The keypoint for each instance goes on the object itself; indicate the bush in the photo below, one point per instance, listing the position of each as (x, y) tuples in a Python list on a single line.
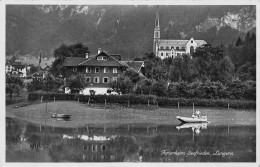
[(235, 90), (133, 99)]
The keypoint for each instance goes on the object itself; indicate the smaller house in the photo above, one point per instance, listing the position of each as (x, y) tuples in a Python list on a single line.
[(16, 69)]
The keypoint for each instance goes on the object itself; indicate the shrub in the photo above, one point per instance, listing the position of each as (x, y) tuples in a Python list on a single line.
[(143, 99)]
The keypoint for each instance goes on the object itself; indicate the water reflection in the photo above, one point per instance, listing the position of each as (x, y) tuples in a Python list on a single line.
[(195, 127), (27, 142)]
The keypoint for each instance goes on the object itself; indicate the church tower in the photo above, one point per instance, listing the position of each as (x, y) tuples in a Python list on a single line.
[(156, 37)]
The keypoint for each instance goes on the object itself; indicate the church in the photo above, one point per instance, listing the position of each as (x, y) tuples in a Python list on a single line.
[(169, 48)]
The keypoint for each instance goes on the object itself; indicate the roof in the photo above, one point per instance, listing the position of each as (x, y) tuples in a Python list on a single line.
[(17, 66), (73, 61), (174, 42), (179, 42), (201, 42), (135, 65), (111, 61)]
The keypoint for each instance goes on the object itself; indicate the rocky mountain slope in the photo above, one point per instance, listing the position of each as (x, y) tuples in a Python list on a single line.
[(127, 30)]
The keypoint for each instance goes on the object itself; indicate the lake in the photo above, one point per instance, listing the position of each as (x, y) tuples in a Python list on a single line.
[(145, 142)]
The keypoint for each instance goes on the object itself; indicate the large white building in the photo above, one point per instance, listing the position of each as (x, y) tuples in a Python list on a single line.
[(165, 48)]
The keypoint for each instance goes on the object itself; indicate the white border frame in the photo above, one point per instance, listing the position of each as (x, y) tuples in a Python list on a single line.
[(119, 2)]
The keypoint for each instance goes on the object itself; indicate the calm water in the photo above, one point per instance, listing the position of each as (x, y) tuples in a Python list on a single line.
[(27, 142)]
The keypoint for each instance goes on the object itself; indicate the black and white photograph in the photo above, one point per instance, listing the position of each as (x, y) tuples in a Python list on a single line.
[(135, 83)]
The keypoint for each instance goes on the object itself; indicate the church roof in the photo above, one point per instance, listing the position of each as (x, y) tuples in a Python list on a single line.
[(173, 42), (179, 42), (201, 42)]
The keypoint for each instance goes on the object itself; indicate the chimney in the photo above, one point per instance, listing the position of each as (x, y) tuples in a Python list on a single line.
[(87, 55), (99, 50)]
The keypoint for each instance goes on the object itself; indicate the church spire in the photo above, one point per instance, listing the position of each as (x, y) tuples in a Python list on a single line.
[(157, 25), (156, 37)]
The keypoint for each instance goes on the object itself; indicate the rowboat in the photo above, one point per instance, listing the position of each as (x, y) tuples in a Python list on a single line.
[(192, 119), (67, 116)]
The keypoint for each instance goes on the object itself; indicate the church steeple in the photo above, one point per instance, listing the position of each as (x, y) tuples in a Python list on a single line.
[(156, 37), (157, 25)]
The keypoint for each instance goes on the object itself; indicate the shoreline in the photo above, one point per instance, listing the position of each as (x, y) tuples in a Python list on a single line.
[(116, 114)]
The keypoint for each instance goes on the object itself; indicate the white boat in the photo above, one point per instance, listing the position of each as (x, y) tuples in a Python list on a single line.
[(192, 119)]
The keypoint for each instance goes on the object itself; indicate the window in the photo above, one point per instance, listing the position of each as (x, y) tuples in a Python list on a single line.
[(191, 41), (105, 80), (88, 70), (177, 48), (88, 79), (161, 47), (96, 80), (161, 54), (74, 69), (114, 70), (101, 58), (103, 148), (114, 78), (167, 54), (191, 49), (94, 148), (167, 47), (97, 70), (85, 147), (106, 70), (103, 157)]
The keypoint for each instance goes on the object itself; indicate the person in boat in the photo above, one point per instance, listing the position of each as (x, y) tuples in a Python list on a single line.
[(198, 114)]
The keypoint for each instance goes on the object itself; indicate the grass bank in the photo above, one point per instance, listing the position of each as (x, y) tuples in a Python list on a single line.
[(83, 114)]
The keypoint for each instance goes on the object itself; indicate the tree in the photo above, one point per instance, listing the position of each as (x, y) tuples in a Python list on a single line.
[(123, 85), (144, 87), (33, 69), (76, 50), (181, 69), (159, 88), (155, 68), (76, 83), (13, 83), (48, 83), (244, 57), (36, 84), (239, 42), (247, 72), (212, 64)]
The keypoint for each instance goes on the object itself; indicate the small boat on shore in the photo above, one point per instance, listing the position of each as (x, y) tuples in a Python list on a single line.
[(65, 116), (193, 119)]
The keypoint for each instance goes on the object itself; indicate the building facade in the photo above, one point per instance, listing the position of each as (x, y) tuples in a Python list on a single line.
[(19, 70), (165, 48), (98, 70)]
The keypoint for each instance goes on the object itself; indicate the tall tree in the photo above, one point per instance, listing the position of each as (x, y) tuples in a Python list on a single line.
[(77, 50), (212, 64), (239, 42)]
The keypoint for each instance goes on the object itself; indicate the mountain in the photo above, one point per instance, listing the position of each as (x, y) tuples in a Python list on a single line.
[(127, 30)]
